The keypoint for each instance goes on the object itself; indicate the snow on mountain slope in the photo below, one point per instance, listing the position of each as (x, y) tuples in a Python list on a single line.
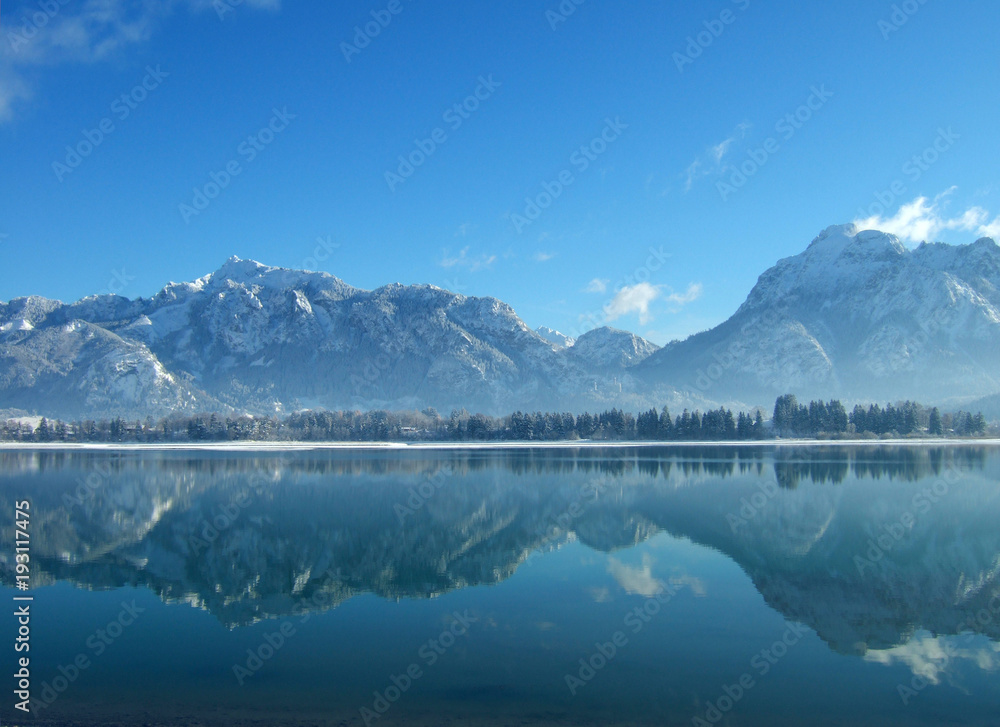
[(858, 316), (610, 348), (554, 337), (79, 367), (249, 337)]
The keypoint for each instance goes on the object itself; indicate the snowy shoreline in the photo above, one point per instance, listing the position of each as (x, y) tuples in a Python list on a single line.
[(444, 446)]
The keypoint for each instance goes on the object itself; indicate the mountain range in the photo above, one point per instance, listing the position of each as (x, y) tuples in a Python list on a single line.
[(856, 316)]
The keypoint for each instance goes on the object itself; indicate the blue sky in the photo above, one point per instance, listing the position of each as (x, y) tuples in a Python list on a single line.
[(586, 175)]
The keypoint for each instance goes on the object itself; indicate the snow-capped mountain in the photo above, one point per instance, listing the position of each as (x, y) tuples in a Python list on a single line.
[(610, 349), (254, 338), (560, 340), (858, 316)]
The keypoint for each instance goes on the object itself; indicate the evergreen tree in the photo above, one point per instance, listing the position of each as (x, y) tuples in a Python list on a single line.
[(935, 426), (744, 426), (666, 425), (837, 417), (785, 409), (729, 425)]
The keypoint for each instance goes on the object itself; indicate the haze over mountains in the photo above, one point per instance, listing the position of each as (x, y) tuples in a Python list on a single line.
[(856, 316)]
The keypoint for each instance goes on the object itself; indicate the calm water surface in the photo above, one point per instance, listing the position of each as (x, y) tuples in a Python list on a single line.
[(659, 586)]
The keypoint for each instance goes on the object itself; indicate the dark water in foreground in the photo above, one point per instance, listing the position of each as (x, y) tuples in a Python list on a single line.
[(812, 586)]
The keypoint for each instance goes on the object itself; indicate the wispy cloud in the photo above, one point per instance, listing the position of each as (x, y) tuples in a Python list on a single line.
[(465, 261), (711, 162), (690, 295), (543, 257), (597, 285), (600, 595), (720, 149), (87, 32), (923, 219)]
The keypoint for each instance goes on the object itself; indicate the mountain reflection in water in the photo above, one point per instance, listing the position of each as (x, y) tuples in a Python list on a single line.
[(883, 551)]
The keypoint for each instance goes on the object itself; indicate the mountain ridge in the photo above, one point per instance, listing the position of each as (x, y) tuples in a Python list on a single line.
[(857, 316), (250, 337)]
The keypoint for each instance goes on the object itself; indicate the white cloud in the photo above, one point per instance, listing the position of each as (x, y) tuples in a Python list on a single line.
[(88, 32), (635, 580), (991, 230), (632, 299), (597, 285), (463, 260), (543, 257), (936, 657), (638, 298), (691, 174), (924, 219), (710, 163), (720, 149), (13, 90), (690, 295)]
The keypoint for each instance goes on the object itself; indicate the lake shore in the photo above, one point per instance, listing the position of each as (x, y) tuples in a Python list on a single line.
[(443, 446)]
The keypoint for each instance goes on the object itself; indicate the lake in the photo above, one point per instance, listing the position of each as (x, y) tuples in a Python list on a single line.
[(825, 585)]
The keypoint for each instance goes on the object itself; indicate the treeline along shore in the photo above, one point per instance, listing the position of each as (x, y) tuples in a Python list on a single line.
[(790, 419)]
